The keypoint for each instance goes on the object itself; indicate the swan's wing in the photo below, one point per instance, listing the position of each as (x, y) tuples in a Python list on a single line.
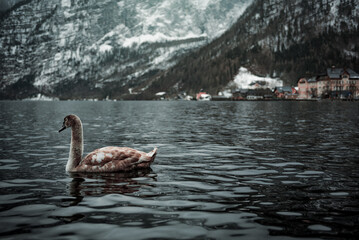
[(110, 159)]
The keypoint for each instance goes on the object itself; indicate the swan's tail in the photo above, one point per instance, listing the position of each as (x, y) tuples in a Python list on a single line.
[(152, 154), (146, 159)]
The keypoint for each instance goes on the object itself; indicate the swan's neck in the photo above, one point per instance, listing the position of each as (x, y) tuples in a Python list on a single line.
[(76, 147)]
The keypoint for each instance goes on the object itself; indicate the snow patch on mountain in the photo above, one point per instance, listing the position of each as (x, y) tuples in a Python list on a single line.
[(246, 80), (105, 48), (66, 3), (158, 37)]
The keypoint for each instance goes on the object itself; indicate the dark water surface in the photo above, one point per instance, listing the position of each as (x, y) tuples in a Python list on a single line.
[(224, 170)]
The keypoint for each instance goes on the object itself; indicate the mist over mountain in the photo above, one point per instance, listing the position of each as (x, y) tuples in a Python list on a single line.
[(273, 38), (94, 49)]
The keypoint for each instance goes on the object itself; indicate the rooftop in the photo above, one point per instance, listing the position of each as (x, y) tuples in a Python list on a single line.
[(338, 72), (284, 89), (353, 74)]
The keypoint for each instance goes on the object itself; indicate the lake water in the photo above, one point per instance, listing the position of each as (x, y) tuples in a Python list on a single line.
[(224, 170)]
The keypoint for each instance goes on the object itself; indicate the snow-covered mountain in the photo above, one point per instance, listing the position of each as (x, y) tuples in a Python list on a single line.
[(74, 48), (272, 38)]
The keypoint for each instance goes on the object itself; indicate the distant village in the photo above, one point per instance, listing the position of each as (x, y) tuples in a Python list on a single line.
[(334, 84)]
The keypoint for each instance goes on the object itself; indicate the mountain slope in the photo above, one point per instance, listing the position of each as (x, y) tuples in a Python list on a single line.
[(277, 38), (79, 49)]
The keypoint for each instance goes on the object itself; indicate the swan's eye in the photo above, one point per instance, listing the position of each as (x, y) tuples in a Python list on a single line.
[(65, 121)]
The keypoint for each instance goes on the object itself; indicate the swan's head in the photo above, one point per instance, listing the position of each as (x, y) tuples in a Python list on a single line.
[(70, 121)]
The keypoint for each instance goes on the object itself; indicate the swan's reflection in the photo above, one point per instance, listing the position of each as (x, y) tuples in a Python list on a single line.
[(96, 184)]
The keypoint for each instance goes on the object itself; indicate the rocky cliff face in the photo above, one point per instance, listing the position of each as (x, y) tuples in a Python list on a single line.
[(89, 48), (275, 38)]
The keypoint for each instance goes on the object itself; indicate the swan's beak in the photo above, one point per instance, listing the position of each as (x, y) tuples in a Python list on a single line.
[(62, 129)]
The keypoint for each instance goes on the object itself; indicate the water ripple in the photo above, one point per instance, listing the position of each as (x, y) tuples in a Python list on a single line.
[(225, 170)]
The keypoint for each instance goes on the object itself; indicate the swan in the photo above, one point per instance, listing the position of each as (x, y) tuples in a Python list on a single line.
[(106, 159)]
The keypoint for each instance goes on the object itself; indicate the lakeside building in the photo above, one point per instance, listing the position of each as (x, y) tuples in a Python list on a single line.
[(252, 94), (286, 92), (335, 83), (203, 96)]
